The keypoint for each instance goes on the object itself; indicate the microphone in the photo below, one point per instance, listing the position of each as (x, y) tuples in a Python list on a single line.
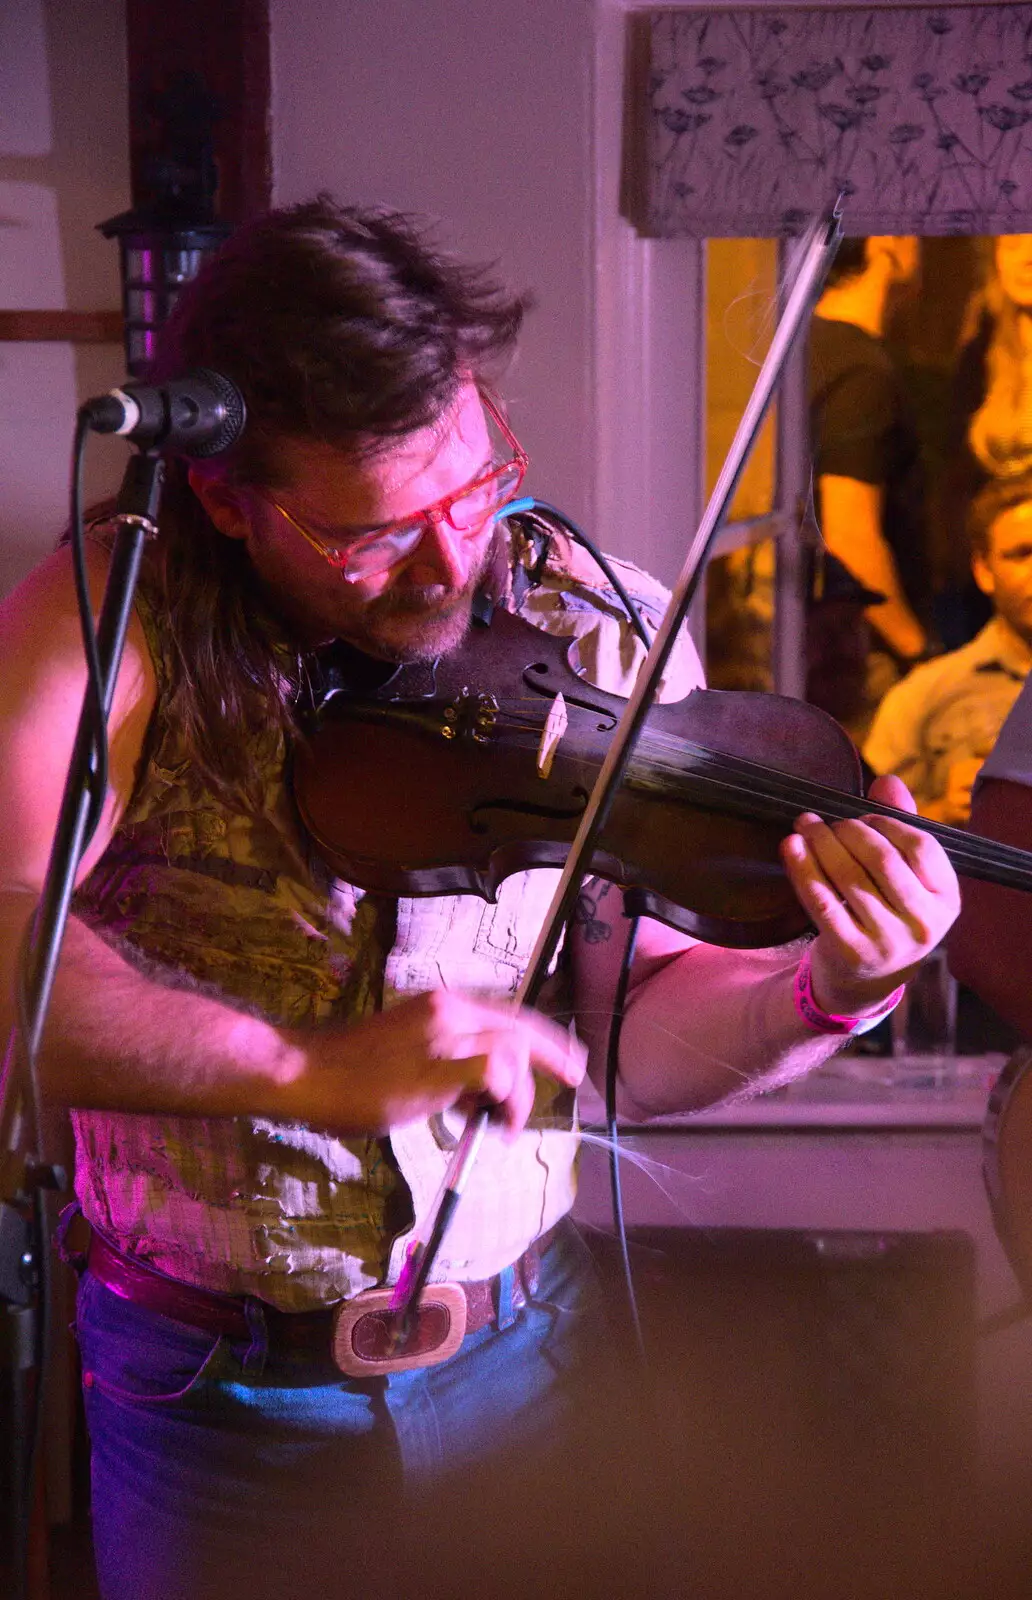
[(199, 415)]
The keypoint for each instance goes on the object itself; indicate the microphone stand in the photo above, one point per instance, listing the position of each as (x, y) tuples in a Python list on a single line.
[(813, 259), (25, 1174)]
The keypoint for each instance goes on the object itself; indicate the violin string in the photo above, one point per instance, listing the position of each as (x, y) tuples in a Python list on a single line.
[(781, 795), (752, 788), (966, 857)]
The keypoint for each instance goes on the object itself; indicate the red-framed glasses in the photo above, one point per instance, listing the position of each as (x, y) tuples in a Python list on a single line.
[(466, 512)]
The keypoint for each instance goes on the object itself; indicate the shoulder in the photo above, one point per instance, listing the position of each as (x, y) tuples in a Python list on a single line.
[(853, 401), (904, 707), (924, 691), (574, 599), (41, 632), (926, 684), (43, 667), (843, 349), (42, 681), (987, 656)]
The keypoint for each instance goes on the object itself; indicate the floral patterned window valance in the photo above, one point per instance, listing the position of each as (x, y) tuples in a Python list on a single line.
[(755, 119)]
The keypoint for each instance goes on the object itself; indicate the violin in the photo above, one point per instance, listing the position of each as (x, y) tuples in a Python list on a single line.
[(453, 774)]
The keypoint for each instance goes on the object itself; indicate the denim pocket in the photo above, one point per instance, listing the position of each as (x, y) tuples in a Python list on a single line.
[(139, 1356)]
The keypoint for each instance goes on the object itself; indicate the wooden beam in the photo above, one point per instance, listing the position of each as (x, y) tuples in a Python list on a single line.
[(76, 327)]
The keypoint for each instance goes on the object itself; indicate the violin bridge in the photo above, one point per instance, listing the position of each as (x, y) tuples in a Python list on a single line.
[(555, 726)]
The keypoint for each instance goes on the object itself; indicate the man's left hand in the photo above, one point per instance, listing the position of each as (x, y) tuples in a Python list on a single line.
[(881, 894)]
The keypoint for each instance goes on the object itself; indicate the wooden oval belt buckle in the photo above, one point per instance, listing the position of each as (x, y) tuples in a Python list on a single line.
[(365, 1331)]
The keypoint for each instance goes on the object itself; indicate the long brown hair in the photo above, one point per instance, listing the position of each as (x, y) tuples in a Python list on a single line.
[(1000, 432), (341, 324)]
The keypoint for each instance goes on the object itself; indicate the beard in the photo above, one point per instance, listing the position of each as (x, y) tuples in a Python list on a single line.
[(416, 625)]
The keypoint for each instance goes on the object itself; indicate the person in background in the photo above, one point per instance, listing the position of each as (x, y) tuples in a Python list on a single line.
[(869, 479), (936, 727), (996, 367), (989, 430)]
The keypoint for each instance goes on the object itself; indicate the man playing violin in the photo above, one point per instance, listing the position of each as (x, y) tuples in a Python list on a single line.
[(265, 1066)]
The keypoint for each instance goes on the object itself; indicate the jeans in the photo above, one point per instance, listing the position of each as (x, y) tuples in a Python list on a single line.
[(221, 1470)]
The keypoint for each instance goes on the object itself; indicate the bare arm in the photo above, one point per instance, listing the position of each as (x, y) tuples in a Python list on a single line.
[(703, 1022), (119, 1039), (112, 1037), (851, 515)]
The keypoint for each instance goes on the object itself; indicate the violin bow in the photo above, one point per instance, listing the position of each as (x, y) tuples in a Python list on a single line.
[(805, 278)]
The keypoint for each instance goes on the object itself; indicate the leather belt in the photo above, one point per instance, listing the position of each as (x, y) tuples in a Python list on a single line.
[(358, 1334)]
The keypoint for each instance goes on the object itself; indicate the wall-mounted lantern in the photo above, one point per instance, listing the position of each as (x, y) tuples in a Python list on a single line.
[(164, 239)]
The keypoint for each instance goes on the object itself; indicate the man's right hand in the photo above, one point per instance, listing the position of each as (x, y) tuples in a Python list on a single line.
[(425, 1054)]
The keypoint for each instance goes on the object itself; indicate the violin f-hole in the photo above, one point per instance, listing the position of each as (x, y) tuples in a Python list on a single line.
[(542, 670), (477, 815)]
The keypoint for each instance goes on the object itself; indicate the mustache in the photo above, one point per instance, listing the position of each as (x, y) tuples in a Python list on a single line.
[(429, 597), (433, 598)]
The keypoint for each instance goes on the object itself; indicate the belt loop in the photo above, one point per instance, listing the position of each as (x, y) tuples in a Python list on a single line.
[(506, 1307), (65, 1222), (258, 1350)]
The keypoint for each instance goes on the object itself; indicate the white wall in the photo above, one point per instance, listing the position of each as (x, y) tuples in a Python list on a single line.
[(480, 115), (63, 168), (504, 122)]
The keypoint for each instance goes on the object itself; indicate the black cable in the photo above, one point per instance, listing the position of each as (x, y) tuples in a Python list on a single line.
[(43, 1341), (612, 1131), (623, 980), (94, 680), (602, 562)]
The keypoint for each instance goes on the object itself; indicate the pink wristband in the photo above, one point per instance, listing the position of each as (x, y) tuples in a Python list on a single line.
[(822, 1021)]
